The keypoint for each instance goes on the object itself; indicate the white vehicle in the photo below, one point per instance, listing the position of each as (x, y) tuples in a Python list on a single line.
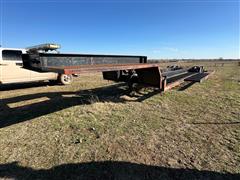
[(11, 70)]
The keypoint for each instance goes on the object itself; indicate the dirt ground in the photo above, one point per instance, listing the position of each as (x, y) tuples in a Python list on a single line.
[(96, 129)]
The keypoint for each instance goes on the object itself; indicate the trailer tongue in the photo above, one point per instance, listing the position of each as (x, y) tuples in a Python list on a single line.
[(131, 69)]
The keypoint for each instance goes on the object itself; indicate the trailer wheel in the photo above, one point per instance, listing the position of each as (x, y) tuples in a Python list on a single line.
[(65, 79), (132, 78)]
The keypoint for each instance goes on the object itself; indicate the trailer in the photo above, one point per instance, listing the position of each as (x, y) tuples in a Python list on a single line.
[(119, 68)]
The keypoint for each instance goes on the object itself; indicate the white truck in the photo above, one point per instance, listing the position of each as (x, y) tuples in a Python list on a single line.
[(11, 70)]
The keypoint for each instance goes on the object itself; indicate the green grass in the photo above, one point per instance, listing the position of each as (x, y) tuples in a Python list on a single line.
[(198, 128)]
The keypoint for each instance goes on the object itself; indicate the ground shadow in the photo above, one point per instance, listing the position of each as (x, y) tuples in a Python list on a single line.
[(5, 87), (31, 107), (109, 170)]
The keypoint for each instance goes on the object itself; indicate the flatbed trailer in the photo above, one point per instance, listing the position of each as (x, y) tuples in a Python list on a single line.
[(119, 68)]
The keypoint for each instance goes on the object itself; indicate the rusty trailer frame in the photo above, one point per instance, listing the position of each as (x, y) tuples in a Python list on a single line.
[(148, 74), (119, 68)]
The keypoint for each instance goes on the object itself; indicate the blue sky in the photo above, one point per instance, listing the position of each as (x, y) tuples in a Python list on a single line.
[(158, 29)]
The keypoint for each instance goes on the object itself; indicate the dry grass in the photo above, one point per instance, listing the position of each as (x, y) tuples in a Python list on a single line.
[(50, 131)]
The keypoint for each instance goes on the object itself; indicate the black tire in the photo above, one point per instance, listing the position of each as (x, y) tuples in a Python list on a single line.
[(65, 79)]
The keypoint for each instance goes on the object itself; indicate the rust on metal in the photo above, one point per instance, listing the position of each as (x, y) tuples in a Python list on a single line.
[(97, 68)]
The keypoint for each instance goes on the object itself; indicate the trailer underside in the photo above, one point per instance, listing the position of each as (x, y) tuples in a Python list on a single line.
[(147, 74)]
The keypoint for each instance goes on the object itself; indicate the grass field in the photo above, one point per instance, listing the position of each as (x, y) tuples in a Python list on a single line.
[(95, 129)]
